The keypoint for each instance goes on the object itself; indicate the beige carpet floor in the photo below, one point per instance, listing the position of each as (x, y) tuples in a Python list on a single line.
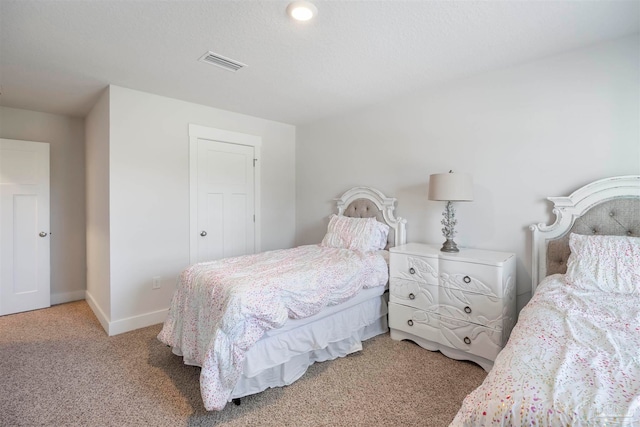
[(59, 368)]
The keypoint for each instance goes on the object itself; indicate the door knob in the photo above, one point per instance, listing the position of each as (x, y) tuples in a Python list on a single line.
[(203, 233), (42, 234)]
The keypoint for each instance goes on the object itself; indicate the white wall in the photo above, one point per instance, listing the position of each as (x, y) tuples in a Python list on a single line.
[(97, 210), (65, 136), (540, 129), (149, 195)]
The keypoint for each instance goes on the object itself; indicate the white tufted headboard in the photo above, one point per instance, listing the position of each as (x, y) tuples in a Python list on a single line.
[(367, 202), (609, 206)]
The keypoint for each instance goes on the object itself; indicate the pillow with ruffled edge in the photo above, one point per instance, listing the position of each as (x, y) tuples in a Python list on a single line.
[(359, 234), (383, 232), (604, 263)]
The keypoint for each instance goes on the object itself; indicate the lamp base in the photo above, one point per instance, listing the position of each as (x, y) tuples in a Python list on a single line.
[(449, 246)]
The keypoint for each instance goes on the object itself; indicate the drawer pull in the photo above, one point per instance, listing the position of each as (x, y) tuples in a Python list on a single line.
[(412, 270), (412, 296), (410, 322), (467, 309), (467, 340), (466, 279)]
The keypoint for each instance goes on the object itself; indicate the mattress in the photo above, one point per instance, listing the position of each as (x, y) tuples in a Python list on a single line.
[(363, 295)]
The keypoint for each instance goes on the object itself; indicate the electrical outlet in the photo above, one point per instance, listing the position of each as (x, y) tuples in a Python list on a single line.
[(155, 282)]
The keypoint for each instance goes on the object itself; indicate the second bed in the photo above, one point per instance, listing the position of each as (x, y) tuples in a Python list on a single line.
[(260, 321)]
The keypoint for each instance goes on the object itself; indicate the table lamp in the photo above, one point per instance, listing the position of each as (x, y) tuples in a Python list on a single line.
[(450, 187)]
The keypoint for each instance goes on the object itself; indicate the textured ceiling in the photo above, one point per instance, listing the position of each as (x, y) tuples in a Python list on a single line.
[(56, 56)]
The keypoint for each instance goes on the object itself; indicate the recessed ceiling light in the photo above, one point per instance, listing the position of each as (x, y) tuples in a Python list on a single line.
[(302, 10)]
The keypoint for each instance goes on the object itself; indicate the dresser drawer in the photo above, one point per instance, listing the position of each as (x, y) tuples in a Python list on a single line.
[(413, 321), (471, 338), (414, 268), (470, 277), (475, 308), (415, 294)]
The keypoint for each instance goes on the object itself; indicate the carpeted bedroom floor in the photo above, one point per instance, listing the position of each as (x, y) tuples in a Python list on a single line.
[(59, 368)]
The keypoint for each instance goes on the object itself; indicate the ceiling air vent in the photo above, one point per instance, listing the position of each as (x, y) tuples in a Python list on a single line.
[(222, 62)]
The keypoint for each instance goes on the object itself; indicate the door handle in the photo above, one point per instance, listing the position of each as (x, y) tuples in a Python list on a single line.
[(42, 234), (203, 233)]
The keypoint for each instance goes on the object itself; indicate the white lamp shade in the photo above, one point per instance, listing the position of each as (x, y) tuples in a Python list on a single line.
[(451, 187)]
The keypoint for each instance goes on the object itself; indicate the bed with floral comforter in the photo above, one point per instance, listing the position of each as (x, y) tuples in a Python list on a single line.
[(573, 358), (221, 308)]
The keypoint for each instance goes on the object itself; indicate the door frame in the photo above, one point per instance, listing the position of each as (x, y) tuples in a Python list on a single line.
[(197, 132)]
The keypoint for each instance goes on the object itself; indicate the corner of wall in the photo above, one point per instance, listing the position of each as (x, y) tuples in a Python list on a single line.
[(100, 315), (97, 130)]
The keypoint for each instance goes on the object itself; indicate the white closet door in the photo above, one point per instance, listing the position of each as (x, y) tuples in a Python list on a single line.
[(224, 193), (24, 226), (225, 200)]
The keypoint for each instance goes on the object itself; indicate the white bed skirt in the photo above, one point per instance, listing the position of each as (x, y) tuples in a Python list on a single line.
[(281, 359)]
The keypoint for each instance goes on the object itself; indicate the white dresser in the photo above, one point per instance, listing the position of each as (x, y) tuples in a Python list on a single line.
[(463, 304)]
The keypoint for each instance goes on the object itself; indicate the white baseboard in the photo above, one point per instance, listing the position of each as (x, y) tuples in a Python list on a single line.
[(128, 324), (137, 322), (62, 297)]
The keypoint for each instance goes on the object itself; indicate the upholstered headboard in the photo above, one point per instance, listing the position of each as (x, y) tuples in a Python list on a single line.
[(609, 206), (367, 202), (618, 217)]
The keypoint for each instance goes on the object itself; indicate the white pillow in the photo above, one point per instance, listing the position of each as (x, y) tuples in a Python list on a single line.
[(604, 263), (358, 234)]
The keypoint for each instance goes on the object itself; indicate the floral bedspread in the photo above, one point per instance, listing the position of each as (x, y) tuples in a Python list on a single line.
[(572, 359), (221, 308)]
